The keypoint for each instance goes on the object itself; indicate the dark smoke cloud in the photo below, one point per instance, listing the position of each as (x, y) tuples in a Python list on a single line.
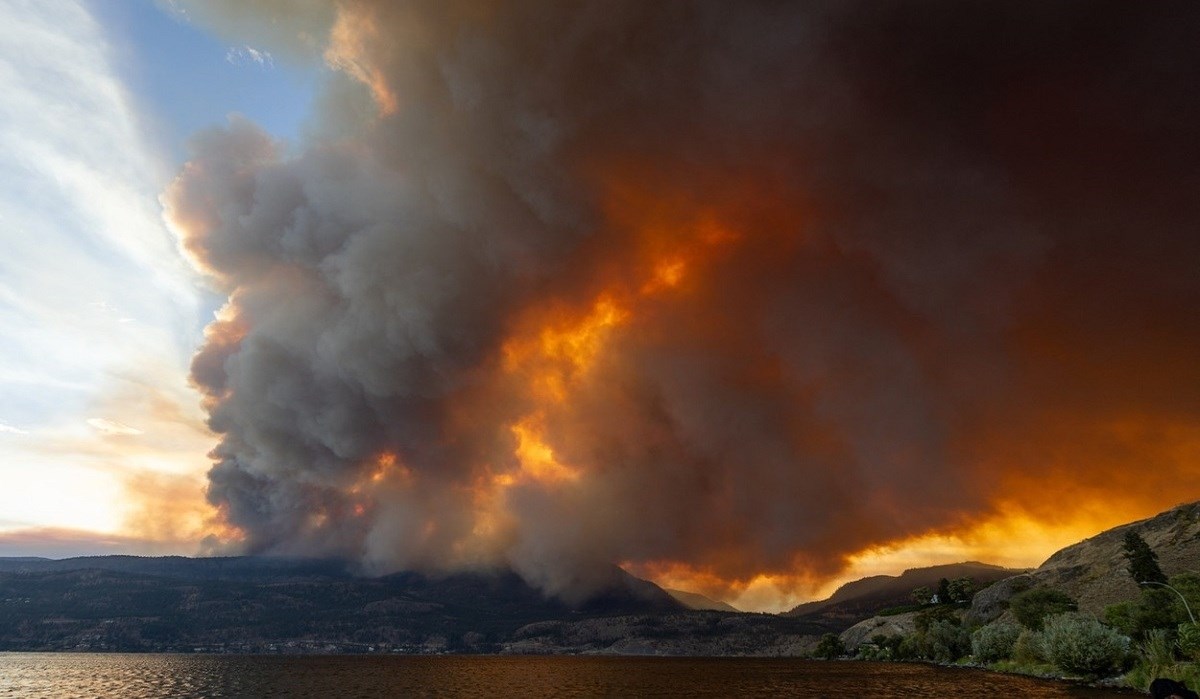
[(933, 257)]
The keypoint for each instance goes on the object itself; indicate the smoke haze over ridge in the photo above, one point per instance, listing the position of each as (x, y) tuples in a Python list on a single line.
[(739, 288)]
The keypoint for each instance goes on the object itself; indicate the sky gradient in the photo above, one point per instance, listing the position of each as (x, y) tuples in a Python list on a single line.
[(749, 299)]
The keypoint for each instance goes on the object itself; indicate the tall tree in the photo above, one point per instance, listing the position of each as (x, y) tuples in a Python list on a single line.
[(1143, 562), (943, 591)]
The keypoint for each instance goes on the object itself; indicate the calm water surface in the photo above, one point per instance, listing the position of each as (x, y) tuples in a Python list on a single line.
[(69, 675)]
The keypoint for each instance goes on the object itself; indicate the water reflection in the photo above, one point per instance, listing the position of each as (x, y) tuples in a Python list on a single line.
[(367, 677)]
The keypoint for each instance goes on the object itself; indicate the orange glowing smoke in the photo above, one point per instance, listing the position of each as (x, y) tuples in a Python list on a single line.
[(745, 322)]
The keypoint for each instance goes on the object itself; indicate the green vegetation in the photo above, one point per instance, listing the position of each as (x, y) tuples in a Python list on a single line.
[(830, 647), (1156, 608), (1031, 607), (1168, 641), (1143, 562), (1189, 640), (994, 642), (945, 641), (1153, 635), (961, 590), (1081, 645)]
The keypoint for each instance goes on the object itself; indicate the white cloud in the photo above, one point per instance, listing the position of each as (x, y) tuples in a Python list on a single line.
[(93, 291), (241, 55), (112, 426)]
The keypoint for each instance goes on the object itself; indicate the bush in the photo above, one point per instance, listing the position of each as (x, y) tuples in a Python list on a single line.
[(926, 619), (1033, 606), (1082, 645), (994, 642), (1157, 608), (1156, 651), (1189, 640), (1028, 648), (1143, 674), (830, 647), (908, 649), (946, 641)]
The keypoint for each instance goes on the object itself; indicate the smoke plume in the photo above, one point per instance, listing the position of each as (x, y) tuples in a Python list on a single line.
[(740, 287)]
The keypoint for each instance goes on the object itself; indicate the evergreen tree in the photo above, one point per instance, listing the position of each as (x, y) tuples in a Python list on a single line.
[(943, 591), (1143, 562)]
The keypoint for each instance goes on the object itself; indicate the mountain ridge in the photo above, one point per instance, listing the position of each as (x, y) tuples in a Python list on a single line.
[(1093, 570), (863, 598)]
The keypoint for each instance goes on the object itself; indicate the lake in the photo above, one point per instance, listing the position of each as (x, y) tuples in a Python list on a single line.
[(134, 676)]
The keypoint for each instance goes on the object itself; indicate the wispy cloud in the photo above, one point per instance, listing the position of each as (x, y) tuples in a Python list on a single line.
[(112, 426), (95, 299), (244, 55)]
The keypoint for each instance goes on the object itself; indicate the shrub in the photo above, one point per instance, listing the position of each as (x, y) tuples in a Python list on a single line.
[(1156, 651), (994, 642), (1143, 674), (1189, 640), (908, 648), (1028, 648), (830, 647), (926, 619), (1033, 606), (946, 641), (1082, 645), (1156, 608)]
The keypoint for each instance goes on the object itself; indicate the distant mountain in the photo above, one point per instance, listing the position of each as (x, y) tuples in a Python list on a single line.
[(695, 600), (253, 604), (248, 568), (1094, 571), (861, 599)]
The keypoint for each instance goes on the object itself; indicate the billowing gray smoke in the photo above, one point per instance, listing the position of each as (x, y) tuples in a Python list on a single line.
[(743, 286)]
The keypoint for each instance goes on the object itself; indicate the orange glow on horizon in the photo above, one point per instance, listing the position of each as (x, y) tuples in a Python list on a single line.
[(1012, 538)]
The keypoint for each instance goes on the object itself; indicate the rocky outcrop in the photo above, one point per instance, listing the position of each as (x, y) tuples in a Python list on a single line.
[(864, 631), (990, 603), (1094, 571)]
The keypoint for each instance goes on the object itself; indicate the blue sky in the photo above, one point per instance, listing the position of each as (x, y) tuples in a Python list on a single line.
[(186, 79), (99, 312)]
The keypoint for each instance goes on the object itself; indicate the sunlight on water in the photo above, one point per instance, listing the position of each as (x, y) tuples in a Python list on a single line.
[(71, 675)]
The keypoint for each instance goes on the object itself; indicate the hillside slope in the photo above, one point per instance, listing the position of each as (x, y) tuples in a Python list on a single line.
[(861, 599), (1094, 571), (264, 604), (699, 602)]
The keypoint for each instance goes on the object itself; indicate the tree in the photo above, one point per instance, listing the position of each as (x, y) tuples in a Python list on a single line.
[(924, 620), (961, 589), (830, 647), (1143, 562), (946, 641), (943, 591), (1032, 606), (922, 595)]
